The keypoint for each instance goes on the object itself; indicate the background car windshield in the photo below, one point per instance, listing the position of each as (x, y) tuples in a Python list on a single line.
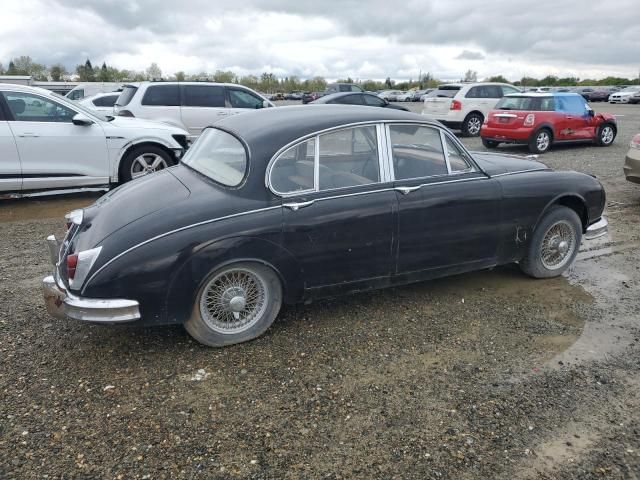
[(445, 91), (87, 111), (218, 155)]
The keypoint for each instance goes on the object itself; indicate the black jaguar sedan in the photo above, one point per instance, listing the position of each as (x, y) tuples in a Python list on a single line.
[(290, 204)]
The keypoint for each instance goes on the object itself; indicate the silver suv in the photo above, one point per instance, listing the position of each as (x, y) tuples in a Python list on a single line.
[(188, 105)]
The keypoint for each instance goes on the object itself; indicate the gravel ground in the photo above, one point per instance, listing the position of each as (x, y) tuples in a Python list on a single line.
[(485, 375)]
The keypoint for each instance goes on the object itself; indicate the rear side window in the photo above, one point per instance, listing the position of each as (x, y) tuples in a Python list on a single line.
[(349, 100), (373, 100), (417, 152), (242, 99), (458, 159), (484, 91), (106, 101), (162, 96), (536, 104), (293, 171), (449, 91), (203, 96), (127, 94), (218, 155)]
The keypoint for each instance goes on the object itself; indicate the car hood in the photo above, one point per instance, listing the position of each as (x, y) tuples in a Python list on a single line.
[(494, 164), (141, 123)]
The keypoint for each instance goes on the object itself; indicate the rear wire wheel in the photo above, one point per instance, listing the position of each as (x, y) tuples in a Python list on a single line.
[(236, 303)]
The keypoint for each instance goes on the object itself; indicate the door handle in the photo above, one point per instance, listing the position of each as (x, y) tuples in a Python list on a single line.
[(569, 117), (28, 135), (407, 190), (298, 205)]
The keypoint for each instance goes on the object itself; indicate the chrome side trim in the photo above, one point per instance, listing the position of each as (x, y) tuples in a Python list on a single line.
[(521, 171), (505, 115), (445, 151), (171, 232)]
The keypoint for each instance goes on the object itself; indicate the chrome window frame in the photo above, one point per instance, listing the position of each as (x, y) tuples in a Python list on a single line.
[(316, 160), (385, 157), (472, 167)]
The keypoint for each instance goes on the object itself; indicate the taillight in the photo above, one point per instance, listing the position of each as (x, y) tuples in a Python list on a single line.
[(455, 105), (72, 264), (125, 113), (529, 120), (635, 142), (75, 216)]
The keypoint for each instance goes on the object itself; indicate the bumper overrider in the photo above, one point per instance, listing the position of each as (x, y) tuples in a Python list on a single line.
[(61, 303), (597, 229)]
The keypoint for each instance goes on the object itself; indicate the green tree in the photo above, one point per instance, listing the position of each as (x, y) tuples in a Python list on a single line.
[(12, 68), (103, 74), (179, 76), (24, 65), (57, 72), (1, 69), (153, 72), (388, 83), (470, 76), (223, 76), (497, 78)]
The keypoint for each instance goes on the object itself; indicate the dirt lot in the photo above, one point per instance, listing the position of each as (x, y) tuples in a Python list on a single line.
[(490, 375)]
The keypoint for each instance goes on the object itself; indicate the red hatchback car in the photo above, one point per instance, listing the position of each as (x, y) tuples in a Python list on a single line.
[(541, 119)]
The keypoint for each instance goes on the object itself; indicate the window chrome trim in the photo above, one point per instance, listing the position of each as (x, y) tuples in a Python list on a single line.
[(267, 180), (383, 162), (546, 169), (445, 150), (171, 232)]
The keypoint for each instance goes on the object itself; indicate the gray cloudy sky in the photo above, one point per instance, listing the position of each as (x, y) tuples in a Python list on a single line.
[(357, 38)]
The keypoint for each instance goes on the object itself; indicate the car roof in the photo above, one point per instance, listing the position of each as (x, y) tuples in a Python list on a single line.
[(544, 94), (11, 87), (332, 96)]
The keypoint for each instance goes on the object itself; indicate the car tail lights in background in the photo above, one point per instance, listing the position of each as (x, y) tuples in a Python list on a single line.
[(455, 105), (529, 120), (635, 142)]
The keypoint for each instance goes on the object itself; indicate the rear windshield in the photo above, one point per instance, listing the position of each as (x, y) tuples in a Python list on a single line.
[(537, 104), (445, 91), (127, 94), (218, 155)]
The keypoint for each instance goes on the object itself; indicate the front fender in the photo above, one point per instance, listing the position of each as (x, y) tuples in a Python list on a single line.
[(119, 152)]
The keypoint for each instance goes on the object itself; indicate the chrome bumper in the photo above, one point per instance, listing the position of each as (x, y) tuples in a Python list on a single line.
[(598, 229), (63, 304)]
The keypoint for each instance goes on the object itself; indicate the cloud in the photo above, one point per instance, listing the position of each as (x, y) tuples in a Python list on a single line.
[(340, 39), (470, 55)]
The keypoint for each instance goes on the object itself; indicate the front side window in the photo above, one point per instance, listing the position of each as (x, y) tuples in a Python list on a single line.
[(76, 94), (243, 99), (162, 96), (570, 104), (203, 96), (349, 100), (458, 159), (218, 155), (417, 152), (26, 107)]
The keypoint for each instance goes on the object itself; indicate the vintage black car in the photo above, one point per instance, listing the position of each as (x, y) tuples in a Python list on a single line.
[(290, 204)]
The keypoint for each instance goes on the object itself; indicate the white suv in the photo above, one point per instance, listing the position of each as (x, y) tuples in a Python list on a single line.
[(188, 105), (48, 142), (464, 106)]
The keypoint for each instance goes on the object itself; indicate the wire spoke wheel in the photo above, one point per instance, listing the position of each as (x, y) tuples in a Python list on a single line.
[(558, 245), (234, 300), (147, 163)]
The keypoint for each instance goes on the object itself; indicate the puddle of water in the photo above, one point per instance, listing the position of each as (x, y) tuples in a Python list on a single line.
[(43, 208)]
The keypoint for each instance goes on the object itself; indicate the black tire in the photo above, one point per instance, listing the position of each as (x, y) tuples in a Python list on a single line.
[(490, 143), (130, 165), (546, 256), (472, 124), (212, 318), (606, 134), (537, 142)]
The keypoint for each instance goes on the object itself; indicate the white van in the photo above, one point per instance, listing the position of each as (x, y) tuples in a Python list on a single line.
[(90, 89), (191, 106)]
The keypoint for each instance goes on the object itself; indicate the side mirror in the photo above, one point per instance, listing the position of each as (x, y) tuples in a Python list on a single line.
[(590, 113), (81, 120)]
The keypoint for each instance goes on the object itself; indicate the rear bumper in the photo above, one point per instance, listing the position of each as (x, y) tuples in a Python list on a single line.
[(598, 229), (632, 165), (61, 303), (514, 135)]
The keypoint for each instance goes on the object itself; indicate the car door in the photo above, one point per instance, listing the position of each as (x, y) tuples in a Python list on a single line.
[(10, 168), (202, 105), (54, 152), (448, 210), (338, 214), (241, 100), (161, 102), (573, 122)]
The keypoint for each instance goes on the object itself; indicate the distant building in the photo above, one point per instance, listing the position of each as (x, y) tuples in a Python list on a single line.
[(59, 87)]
